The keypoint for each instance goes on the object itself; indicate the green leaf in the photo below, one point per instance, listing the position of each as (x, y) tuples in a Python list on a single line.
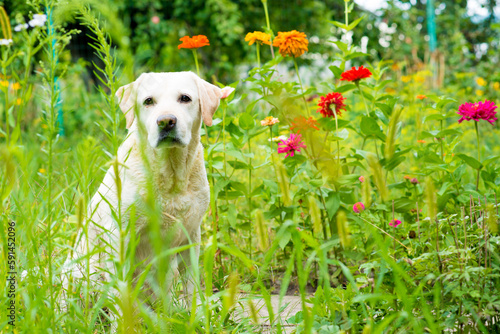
[(354, 23), (448, 132), (246, 121), (338, 24), (356, 55), (285, 239), (434, 117), (345, 88), (403, 205), (369, 127), (341, 45), (470, 161), (332, 204), (347, 179), (394, 162), (336, 71), (488, 161)]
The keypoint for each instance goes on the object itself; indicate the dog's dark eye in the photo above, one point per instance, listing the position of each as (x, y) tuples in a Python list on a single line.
[(149, 101), (185, 98)]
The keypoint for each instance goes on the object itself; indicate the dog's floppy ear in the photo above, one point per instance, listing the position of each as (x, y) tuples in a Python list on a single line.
[(210, 96), (126, 99)]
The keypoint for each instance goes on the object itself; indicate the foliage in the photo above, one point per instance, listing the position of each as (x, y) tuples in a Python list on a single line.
[(277, 225)]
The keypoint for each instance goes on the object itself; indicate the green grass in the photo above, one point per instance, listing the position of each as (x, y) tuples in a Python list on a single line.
[(275, 225)]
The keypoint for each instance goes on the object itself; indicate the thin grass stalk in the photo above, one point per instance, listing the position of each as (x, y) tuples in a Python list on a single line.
[(478, 153), (301, 86), (249, 196), (465, 229), (363, 97), (418, 224), (268, 25)]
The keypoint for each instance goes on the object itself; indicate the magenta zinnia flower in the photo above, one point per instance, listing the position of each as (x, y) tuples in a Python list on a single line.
[(291, 145), (358, 207), (477, 111), (395, 223)]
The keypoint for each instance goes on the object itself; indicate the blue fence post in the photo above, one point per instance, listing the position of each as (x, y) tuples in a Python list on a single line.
[(431, 25)]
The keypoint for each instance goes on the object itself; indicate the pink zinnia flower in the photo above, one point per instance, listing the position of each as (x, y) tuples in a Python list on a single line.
[(361, 179), (358, 207), (291, 145), (395, 223), (414, 181), (477, 111), (155, 19)]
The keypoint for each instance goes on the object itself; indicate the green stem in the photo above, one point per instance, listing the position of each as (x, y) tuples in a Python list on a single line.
[(478, 153), (250, 194), (264, 4), (441, 140), (258, 54), (301, 86), (364, 101), (338, 145), (346, 12), (195, 55)]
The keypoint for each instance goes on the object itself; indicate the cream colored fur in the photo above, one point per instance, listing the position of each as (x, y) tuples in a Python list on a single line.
[(177, 171)]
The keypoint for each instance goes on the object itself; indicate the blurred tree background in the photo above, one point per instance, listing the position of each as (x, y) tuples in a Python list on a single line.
[(148, 32)]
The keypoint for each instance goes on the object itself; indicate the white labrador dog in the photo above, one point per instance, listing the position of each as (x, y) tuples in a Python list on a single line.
[(166, 109)]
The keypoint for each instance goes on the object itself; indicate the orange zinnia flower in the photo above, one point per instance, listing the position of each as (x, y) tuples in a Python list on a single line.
[(194, 42), (421, 97), (258, 36), (302, 123), (356, 74), (291, 43)]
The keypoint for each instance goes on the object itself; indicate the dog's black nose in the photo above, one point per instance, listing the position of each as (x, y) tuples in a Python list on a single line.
[(166, 122)]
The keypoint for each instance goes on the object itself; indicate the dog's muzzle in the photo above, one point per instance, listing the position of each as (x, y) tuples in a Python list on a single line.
[(166, 127)]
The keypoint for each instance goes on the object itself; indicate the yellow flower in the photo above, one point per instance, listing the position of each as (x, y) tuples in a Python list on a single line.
[(41, 170), (4, 83), (44, 126), (16, 85), (479, 92), (258, 36), (291, 43), (496, 85), (419, 79), (269, 121), (18, 102), (406, 78), (480, 82)]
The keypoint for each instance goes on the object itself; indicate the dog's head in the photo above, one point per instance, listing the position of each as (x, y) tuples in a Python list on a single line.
[(170, 105)]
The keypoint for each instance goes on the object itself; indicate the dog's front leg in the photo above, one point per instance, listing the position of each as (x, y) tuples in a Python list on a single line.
[(188, 268)]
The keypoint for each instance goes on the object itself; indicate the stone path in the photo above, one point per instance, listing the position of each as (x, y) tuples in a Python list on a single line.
[(290, 305)]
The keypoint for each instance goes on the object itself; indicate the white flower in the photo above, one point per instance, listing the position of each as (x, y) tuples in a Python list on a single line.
[(21, 26), (38, 20), (5, 41), (279, 139)]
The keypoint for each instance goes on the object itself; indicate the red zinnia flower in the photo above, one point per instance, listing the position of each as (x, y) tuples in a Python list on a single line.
[(477, 111), (326, 101), (291, 145), (302, 123), (356, 74), (194, 42)]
